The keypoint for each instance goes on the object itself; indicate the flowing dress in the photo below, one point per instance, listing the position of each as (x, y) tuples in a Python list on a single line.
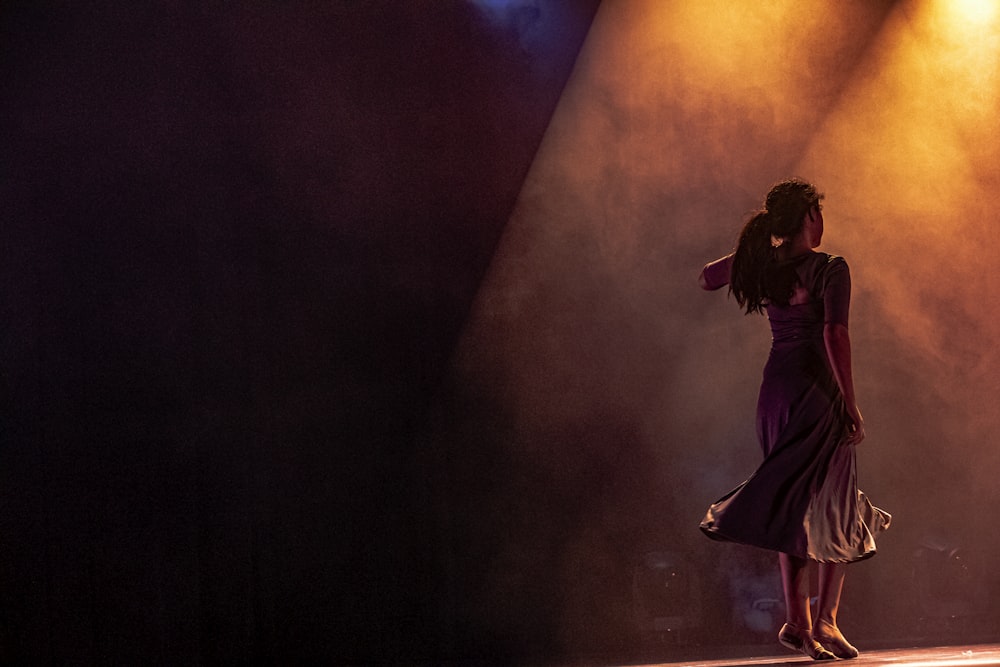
[(804, 499)]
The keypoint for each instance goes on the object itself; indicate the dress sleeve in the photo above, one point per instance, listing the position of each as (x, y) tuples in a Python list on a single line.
[(836, 291), (716, 274)]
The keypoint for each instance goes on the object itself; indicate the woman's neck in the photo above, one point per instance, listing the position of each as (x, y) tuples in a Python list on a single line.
[(799, 246)]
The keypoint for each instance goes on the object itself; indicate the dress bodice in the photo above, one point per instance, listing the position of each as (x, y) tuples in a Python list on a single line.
[(798, 322), (827, 282)]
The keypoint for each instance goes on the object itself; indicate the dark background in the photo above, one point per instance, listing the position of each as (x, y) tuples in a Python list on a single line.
[(239, 242)]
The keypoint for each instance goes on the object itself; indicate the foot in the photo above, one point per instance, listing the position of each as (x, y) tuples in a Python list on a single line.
[(801, 640), (830, 638)]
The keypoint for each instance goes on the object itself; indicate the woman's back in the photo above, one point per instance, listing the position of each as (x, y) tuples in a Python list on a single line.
[(822, 285)]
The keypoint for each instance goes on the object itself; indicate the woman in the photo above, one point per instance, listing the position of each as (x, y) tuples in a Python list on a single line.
[(803, 500)]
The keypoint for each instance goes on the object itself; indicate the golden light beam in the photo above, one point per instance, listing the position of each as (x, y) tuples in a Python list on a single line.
[(908, 158), (911, 150)]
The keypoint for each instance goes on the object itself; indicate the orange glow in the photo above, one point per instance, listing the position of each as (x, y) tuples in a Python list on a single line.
[(910, 152), (961, 36), (677, 118), (974, 11)]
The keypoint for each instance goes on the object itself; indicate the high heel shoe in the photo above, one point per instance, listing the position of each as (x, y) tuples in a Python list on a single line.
[(793, 637), (830, 638)]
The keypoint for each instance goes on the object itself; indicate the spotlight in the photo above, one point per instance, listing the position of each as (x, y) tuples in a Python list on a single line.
[(975, 11)]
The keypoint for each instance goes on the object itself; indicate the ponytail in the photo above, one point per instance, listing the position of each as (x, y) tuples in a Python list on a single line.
[(753, 256)]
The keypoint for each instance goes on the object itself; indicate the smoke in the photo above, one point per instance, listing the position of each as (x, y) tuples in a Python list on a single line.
[(677, 119), (910, 150)]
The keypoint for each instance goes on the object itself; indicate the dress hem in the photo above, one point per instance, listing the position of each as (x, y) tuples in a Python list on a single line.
[(718, 536)]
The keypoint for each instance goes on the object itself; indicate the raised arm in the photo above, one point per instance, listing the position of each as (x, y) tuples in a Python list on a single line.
[(716, 274)]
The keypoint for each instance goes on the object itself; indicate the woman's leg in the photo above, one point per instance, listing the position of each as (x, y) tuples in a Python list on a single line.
[(796, 634), (826, 632), (795, 583), (831, 584)]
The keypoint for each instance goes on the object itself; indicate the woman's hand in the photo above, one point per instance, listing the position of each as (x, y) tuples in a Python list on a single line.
[(856, 430)]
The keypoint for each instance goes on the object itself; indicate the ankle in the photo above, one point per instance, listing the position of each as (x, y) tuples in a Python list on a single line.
[(832, 625), (799, 628)]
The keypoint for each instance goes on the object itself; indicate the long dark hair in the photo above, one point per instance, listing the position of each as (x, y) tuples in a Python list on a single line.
[(756, 277)]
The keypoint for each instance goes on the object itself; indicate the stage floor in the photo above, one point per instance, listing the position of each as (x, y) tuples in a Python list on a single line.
[(942, 656)]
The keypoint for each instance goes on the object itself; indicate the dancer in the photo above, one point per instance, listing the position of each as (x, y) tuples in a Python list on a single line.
[(803, 500)]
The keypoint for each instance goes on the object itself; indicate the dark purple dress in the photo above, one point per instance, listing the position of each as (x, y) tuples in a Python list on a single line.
[(804, 499)]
